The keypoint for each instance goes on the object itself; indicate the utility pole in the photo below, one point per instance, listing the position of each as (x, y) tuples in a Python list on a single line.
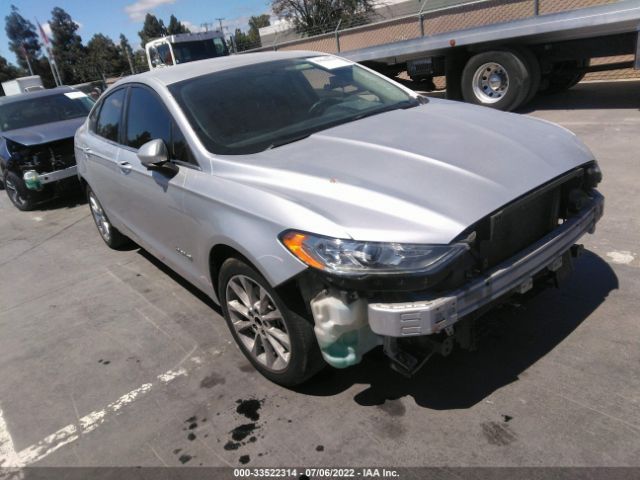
[(133, 70), (220, 21), (206, 26), (52, 61), (26, 57)]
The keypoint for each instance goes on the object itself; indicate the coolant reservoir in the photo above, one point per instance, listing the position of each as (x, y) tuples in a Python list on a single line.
[(32, 180), (342, 329)]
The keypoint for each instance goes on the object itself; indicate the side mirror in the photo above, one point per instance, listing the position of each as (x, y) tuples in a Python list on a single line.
[(155, 156)]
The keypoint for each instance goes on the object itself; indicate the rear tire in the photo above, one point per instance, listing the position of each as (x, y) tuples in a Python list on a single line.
[(280, 344), (111, 236), (533, 66), (17, 191), (498, 79)]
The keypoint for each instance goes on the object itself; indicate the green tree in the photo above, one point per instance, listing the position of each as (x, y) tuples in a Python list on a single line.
[(8, 71), (140, 61), (152, 28), (256, 22), (23, 40), (103, 57), (22, 36), (68, 49), (176, 27), (241, 41), (321, 16)]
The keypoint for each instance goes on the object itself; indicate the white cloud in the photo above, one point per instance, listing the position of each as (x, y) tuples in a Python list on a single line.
[(47, 29), (139, 9), (192, 26)]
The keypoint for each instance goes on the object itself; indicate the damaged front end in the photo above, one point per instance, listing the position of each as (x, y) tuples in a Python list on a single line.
[(362, 295), (46, 169)]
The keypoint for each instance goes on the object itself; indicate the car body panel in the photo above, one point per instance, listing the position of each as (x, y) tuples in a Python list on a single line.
[(383, 179)]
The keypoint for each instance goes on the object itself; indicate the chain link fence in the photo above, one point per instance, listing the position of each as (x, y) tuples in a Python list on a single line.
[(433, 21)]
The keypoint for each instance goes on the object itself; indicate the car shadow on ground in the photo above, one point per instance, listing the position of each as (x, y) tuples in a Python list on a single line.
[(68, 200), (517, 339), (195, 291), (590, 95), (584, 96)]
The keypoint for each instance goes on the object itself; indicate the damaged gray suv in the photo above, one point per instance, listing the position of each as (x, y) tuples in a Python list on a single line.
[(329, 210)]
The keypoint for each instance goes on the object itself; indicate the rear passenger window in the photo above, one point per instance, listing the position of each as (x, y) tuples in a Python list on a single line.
[(108, 123), (147, 119)]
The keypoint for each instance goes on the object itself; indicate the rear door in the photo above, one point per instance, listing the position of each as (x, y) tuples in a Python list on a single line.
[(100, 147)]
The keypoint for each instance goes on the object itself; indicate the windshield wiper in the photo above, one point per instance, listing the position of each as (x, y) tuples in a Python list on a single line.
[(396, 106), (287, 140)]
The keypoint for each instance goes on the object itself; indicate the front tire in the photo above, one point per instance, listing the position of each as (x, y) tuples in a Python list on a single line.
[(111, 236), (17, 191), (280, 344)]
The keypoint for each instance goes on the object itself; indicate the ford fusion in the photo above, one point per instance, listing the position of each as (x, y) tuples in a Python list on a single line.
[(36, 143), (329, 210)]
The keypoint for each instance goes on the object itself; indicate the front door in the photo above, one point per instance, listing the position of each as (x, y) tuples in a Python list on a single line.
[(154, 198)]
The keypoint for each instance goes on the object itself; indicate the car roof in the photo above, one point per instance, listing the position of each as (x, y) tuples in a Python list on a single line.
[(35, 94), (184, 71)]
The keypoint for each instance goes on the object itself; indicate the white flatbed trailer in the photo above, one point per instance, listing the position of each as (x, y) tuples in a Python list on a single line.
[(503, 65)]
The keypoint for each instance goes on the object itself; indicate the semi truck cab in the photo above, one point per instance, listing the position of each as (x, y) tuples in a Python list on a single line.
[(185, 47)]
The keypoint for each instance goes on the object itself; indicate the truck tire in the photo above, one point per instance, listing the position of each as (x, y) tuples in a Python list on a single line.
[(533, 66), (498, 79), (17, 191), (279, 343), (563, 76)]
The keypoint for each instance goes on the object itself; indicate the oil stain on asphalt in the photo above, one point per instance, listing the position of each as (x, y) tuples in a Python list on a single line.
[(212, 380), (498, 433), (249, 409)]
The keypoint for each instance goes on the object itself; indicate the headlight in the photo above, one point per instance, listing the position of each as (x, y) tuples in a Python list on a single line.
[(593, 175), (351, 257)]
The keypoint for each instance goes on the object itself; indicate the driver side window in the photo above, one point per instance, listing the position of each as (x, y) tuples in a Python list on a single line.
[(148, 119)]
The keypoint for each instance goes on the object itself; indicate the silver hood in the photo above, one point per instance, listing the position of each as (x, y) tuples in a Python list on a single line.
[(419, 175)]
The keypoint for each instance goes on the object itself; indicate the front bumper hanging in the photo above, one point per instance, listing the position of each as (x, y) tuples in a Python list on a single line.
[(432, 315), (34, 180)]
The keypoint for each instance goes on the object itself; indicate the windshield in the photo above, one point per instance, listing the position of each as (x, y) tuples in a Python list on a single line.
[(41, 110), (198, 50), (253, 108)]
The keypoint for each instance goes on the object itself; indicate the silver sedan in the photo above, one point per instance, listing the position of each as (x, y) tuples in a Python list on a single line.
[(329, 210)]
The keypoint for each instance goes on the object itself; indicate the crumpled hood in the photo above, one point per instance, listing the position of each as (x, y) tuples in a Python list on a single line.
[(45, 133), (418, 175)]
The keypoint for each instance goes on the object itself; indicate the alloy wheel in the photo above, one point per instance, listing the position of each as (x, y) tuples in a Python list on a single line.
[(258, 323), (102, 222), (490, 82)]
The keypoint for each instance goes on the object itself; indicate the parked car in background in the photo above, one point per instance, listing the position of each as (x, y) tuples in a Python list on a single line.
[(330, 210), (37, 160)]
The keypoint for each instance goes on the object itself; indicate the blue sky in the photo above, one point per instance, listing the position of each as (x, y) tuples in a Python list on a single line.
[(112, 17)]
